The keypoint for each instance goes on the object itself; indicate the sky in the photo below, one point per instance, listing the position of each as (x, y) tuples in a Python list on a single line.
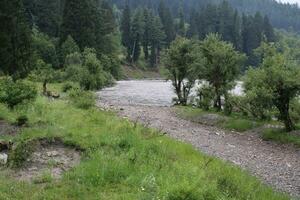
[(290, 1)]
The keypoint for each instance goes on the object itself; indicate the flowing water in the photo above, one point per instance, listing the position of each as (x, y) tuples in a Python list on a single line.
[(146, 92)]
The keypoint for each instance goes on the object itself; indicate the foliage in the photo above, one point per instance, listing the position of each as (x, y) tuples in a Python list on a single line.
[(15, 93), (22, 120), (82, 99), (275, 84), (206, 96), (15, 40), (43, 73), (69, 47), (222, 64), (179, 60), (45, 49), (67, 86), (90, 74)]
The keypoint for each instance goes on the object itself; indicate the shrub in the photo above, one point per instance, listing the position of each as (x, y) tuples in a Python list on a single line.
[(82, 99), (69, 86), (15, 93), (206, 96), (22, 120), (90, 74)]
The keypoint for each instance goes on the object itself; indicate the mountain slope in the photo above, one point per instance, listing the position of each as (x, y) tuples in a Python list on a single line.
[(284, 16)]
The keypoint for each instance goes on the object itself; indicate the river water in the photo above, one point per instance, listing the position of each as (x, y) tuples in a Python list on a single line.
[(145, 92)]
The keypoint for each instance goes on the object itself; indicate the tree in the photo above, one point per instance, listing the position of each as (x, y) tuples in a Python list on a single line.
[(126, 29), (181, 25), (157, 37), (44, 48), (15, 39), (68, 47), (167, 21), (137, 32), (222, 65), (179, 62), (279, 79)]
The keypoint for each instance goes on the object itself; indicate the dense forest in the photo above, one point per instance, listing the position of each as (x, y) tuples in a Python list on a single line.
[(144, 29), (284, 16)]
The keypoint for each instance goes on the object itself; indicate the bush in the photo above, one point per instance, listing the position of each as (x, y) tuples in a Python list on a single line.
[(15, 93), (295, 110), (70, 86), (22, 120), (82, 99), (90, 74), (206, 96)]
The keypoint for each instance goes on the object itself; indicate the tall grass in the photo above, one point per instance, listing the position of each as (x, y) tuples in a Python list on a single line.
[(123, 161)]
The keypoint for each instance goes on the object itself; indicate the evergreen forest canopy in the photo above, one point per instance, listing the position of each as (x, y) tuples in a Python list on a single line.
[(285, 16)]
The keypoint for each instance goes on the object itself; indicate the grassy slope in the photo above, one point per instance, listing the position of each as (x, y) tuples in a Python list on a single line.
[(124, 161)]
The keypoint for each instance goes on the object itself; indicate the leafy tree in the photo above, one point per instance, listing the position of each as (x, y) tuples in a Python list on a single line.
[(43, 73), (44, 48), (179, 61), (15, 39), (68, 47), (222, 65), (278, 78), (87, 70)]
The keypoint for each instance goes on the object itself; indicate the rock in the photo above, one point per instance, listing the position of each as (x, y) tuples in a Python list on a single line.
[(3, 158)]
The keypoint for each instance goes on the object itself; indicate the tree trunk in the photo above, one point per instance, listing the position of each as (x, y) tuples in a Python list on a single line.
[(45, 87), (285, 116), (218, 101)]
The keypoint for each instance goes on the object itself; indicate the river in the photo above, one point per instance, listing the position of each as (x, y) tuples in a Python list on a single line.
[(146, 92)]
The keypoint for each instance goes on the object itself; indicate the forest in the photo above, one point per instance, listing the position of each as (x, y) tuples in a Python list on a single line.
[(74, 126)]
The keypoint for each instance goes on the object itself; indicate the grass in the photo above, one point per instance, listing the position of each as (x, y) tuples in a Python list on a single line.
[(235, 122), (280, 136), (123, 161)]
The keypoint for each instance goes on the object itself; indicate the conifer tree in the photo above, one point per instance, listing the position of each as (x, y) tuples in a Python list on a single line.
[(15, 39), (167, 22), (126, 29)]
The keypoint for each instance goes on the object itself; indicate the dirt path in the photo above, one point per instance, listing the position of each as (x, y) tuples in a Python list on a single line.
[(276, 165)]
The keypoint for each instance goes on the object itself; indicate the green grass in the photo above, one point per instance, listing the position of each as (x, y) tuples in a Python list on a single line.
[(123, 161), (235, 122), (280, 136)]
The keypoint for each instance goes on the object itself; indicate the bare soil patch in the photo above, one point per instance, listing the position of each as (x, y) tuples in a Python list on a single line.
[(50, 159)]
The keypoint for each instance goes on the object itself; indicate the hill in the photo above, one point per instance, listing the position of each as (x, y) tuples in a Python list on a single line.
[(282, 16)]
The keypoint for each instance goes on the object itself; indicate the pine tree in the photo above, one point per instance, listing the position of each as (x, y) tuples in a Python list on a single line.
[(157, 36), (126, 29), (15, 39), (137, 32), (79, 21), (268, 30), (181, 25), (167, 21)]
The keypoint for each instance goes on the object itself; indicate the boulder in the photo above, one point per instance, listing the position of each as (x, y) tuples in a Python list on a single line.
[(3, 158)]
